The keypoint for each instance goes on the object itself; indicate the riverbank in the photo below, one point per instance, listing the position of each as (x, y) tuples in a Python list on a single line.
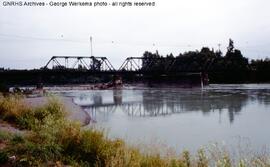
[(50, 139), (74, 112)]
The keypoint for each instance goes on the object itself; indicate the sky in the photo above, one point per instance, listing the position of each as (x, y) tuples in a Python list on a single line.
[(30, 36)]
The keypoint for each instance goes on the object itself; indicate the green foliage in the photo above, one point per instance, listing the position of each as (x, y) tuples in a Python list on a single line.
[(186, 159), (13, 110), (224, 162), (4, 135), (202, 159), (3, 157), (205, 60), (4, 88), (241, 163), (231, 67), (261, 65), (52, 140), (231, 46), (17, 139)]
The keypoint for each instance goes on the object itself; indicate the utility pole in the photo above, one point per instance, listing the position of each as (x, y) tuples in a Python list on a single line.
[(91, 45)]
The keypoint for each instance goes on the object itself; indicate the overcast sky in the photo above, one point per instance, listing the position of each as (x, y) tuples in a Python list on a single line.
[(29, 36)]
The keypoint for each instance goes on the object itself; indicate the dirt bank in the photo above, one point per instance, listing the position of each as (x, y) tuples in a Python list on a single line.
[(75, 112)]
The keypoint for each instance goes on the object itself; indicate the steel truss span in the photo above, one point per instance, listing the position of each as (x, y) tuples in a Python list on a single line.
[(82, 63)]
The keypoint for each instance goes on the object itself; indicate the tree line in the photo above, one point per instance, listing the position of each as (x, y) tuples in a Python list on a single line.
[(230, 67)]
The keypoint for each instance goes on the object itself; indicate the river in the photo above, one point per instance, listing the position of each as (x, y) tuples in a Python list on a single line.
[(181, 118)]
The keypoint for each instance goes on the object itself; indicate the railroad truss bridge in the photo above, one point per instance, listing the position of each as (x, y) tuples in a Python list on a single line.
[(78, 69)]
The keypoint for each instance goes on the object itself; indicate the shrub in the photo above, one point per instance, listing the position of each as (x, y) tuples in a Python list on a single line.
[(52, 140), (11, 108), (4, 88), (3, 157), (186, 159), (202, 159), (4, 136)]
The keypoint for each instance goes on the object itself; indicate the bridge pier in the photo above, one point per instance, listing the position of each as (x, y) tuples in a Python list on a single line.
[(117, 81)]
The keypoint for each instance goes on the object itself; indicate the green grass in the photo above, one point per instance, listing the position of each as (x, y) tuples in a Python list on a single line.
[(51, 140)]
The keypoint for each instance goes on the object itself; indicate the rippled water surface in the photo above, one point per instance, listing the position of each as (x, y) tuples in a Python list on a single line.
[(181, 118)]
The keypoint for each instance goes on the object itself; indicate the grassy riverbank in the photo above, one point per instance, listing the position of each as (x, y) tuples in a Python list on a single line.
[(47, 138)]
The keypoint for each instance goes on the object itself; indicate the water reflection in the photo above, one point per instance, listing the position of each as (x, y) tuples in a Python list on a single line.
[(157, 103), (204, 102), (182, 118)]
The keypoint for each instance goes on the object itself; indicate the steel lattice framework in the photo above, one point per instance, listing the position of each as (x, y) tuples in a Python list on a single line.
[(143, 64), (82, 63), (140, 65), (157, 64)]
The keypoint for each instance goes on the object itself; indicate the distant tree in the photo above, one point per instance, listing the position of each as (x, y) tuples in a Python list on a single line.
[(230, 48), (151, 61), (234, 60), (205, 60), (170, 56), (232, 67), (260, 65)]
